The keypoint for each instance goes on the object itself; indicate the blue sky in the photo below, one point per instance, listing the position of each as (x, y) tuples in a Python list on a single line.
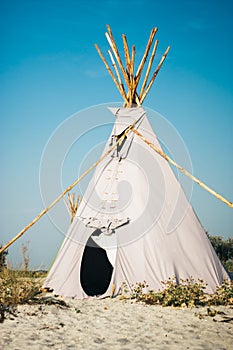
[(49, 70)]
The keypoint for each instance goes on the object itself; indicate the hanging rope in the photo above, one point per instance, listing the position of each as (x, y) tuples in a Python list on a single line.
[(184, 171), (127, 130)]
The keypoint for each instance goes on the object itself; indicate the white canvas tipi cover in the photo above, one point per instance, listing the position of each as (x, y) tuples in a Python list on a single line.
[(134, 224)]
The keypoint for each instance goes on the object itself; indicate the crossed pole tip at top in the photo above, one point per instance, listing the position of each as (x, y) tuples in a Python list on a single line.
[(124, 71)]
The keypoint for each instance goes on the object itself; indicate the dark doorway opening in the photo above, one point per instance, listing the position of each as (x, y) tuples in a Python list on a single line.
[(96, 269)]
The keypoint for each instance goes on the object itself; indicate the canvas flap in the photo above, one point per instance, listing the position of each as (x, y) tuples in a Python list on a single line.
[(125, 117), (106, 224)]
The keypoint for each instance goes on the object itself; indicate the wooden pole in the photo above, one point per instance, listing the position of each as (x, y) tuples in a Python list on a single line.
[(154, 75), (132, 79), (128, 68), (132, 96), (112, 44), (117, 56), (68, 188), (127, 56), (136, 100), (184, 171), (148, 68), (132, 61), (148, 46), (116, 70), (121, 90)]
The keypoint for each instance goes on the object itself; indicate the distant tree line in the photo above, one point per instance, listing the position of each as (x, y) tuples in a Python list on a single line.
[(224, 250)]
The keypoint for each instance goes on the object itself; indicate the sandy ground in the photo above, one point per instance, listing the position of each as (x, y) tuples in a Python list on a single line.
[(114, 324)]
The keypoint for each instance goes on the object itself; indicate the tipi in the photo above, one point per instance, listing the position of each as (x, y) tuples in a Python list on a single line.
[(134, 222)]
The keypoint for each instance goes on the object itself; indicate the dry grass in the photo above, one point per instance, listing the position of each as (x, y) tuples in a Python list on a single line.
[(73, 204), (16, 287)]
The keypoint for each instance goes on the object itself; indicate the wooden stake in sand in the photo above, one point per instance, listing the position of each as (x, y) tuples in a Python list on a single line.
[(68, 188), (184, 171)]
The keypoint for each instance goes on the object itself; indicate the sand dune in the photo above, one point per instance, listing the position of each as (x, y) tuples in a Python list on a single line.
[(115, 324)]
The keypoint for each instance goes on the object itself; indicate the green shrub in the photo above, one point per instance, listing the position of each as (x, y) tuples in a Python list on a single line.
[(224, 250), (223, 294), (188, 293)]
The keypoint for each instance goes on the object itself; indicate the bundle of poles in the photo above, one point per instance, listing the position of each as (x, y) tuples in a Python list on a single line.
[(131, 98)]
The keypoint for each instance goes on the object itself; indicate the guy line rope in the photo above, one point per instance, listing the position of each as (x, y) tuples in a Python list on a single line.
[(184, 171)]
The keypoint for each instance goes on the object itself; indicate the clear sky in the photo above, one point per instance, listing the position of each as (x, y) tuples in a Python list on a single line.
[(49, 70)]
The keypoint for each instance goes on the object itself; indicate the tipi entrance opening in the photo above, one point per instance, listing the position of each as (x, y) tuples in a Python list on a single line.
[(96, 269)]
